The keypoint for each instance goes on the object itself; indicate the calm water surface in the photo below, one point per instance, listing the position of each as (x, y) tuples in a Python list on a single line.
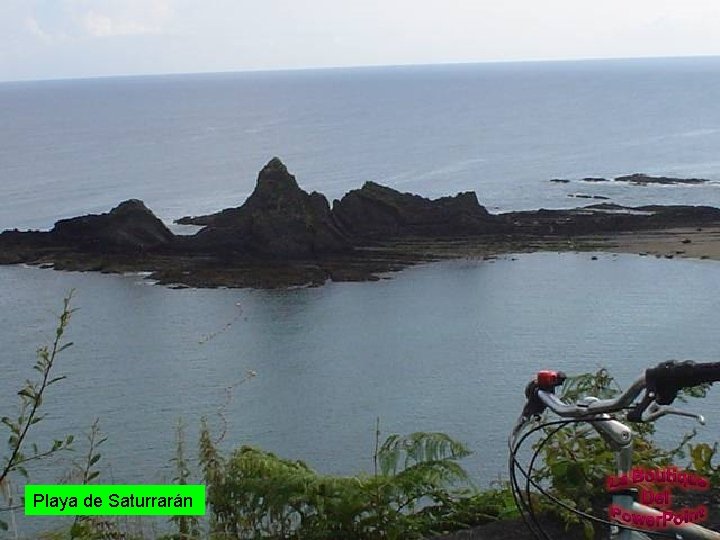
[(444, 346), (194, 144)]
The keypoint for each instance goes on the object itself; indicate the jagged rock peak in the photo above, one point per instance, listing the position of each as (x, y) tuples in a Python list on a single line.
[(130, 226), (369, 184), (278, 220), (377, 211), (274, 164), (275, 175), (464, 197), (130, 205)]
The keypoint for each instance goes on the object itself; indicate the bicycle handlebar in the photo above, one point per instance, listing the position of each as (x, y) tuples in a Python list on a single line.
[(668, 377), (599, 406), (661, 383)]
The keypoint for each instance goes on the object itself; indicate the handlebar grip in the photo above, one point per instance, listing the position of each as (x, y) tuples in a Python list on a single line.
[(706, 372), (668, 377)]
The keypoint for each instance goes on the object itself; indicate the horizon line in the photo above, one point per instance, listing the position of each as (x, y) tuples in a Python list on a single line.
[(360, 67)]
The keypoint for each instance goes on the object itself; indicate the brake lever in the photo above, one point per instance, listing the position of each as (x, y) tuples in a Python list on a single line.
[(656, 411)]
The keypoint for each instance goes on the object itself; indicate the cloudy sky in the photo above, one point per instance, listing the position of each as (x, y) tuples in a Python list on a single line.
[(46, 39)]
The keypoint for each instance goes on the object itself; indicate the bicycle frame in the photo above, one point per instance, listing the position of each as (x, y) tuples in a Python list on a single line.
[(619, 438)]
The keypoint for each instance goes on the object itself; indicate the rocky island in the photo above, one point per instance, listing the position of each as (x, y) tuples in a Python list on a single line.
[(283, 236), (639, 179)]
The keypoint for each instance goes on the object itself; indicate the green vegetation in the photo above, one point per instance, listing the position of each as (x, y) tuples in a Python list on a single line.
[(417, 489), (186, 526), (31, 396), (86, 527)]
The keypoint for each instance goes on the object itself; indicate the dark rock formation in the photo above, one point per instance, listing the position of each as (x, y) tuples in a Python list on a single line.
[(130, 227), (282, 236), (279, 220), (643, 179), (680, 215), (375, 212), (607, 218), (18, 247), (585, 196), (639, 179), (207, 219)]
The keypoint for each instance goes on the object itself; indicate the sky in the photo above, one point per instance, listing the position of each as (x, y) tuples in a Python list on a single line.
[(50, 39)]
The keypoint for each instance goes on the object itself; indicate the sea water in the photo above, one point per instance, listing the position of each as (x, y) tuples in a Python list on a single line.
[(439, 347)]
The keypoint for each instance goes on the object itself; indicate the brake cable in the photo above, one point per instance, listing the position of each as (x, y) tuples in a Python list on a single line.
[(530, 481)]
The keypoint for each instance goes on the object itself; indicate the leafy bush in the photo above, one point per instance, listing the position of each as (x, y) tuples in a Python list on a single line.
[(701, 460), (418, 488)]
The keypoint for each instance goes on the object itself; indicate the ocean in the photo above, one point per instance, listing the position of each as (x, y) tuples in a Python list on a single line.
[(194, 144), (438, 347)]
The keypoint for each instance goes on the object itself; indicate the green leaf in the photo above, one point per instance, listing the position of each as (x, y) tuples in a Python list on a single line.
[(559, 469), (65, 346), (27, 392)]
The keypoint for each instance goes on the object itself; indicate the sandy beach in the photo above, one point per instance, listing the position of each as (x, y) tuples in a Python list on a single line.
[(682, 243)]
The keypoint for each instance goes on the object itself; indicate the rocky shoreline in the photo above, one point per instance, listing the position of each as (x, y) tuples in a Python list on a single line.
[(283, 236)]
